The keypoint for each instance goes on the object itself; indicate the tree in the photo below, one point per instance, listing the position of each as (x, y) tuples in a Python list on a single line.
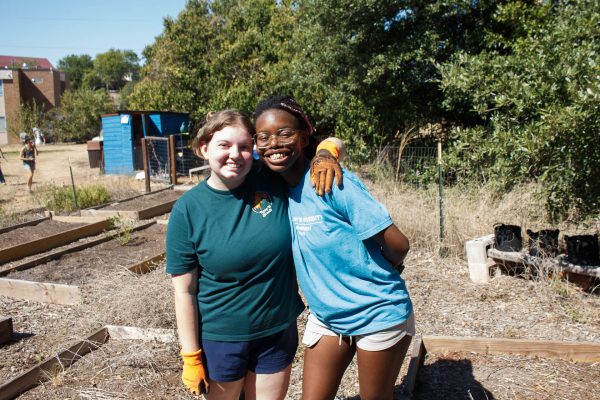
[(538, 99), (76, 66), (27, 116), (217, 54), (115, 68), (79, 118)]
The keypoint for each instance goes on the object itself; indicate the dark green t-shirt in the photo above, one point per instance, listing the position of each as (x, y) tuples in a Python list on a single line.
[(241, 242)]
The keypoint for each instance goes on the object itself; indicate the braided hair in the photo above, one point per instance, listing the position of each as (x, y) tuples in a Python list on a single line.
[(290, 105)]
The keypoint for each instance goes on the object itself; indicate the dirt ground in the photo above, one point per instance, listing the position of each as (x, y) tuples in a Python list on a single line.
[(142, 203), (52, 168), (446, 303), (94, 263), (34, 232)]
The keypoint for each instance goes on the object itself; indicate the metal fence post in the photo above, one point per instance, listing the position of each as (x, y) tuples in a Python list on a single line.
[(172, 164), (441, 194), (146, 164)]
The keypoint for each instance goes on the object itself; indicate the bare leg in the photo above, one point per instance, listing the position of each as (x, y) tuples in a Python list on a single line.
[(224, 390), (378, 370), (324, 366), (267, 386), (30, 179)]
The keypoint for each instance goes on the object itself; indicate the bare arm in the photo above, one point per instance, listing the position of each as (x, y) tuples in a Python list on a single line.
[(186, 310), (394, 244)]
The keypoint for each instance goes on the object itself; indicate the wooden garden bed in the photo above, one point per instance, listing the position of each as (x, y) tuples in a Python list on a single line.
[(58, 278), (480, 368), (139, 208), (127, 357), (46, 235)]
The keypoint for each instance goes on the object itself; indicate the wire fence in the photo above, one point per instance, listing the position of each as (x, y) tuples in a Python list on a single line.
[(159, 166), (185, 159), (410, 164)]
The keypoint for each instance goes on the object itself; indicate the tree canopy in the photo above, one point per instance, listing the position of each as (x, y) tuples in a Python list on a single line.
[(76, 66), (512, 83), (110, 70)]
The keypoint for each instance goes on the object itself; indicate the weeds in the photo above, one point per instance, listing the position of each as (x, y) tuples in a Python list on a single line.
[(121, 229), (60, 198)]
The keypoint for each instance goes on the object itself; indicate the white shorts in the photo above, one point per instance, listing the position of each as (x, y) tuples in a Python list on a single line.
[(375, 341)]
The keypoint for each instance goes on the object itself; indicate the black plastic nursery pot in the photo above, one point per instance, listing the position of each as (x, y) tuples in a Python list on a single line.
[(543, 243), (583, 249), (508, 237)]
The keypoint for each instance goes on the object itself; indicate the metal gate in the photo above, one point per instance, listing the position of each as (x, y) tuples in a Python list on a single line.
[(159, 165)]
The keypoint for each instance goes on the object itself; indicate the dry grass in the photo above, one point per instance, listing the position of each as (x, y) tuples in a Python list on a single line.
[(446, 303)]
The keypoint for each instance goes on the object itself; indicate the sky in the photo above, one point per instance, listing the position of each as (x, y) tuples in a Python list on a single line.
[(53, 29)]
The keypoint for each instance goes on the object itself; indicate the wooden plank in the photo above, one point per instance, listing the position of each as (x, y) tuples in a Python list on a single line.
[(571, 351), (6, 329), (72, 249), (127, 214), (133, 333), (115, 202), (416, 360), (52, 241), (52, 365), (162, 221), (148, 264), (156, 210), (21, 225), (559, 262), (38, 291), (73, 219)]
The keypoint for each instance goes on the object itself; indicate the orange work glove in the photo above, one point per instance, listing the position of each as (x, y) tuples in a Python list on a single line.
[(324, 167), (194, 375)]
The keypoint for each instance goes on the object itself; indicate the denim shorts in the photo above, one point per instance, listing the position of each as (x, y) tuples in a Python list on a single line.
[(230, 361)]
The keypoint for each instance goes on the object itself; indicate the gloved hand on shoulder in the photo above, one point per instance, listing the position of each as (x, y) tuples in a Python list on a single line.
[(325, 165)]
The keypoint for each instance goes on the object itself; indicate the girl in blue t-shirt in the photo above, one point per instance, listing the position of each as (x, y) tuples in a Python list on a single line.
[(348, 255)]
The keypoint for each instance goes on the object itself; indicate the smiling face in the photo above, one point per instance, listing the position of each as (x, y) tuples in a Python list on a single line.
[(229, 154), (285, 155)]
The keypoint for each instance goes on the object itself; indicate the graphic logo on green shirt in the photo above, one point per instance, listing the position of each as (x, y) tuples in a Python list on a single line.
[(262, 204)]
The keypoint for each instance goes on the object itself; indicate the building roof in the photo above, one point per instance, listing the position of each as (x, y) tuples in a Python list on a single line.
[(18, 61)]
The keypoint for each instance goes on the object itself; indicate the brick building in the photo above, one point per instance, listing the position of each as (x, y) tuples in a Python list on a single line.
[(27, 79)]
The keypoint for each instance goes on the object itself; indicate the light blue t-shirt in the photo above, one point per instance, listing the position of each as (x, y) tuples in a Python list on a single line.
[(347, 283)]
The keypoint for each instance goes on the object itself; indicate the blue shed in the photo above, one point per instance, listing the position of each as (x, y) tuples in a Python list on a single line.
[(122, 135)]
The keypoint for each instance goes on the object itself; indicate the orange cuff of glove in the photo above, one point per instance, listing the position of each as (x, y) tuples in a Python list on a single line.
[(331, 147), (194, 374)]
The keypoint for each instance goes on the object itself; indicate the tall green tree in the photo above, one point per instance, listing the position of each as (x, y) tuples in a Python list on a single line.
[(79, 114), (538, 98), (76, 66), (115, 68), (368, 67), (217, 54)]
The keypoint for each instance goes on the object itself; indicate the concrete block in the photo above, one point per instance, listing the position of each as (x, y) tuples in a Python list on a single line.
[(477, 259)]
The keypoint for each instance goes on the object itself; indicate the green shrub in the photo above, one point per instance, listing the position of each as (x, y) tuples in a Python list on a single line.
[(122, 229), (60, 198)]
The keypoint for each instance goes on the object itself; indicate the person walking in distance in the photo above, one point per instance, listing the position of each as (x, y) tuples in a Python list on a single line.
[(2, 181), (28, 154)]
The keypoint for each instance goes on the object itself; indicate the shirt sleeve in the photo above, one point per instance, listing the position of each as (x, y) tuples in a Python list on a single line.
[(181, 251), (360, 209)]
